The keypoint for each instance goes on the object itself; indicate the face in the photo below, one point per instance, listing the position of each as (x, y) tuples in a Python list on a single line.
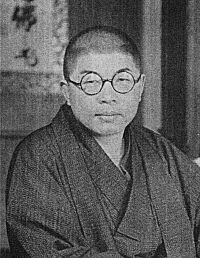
[(108, 112)]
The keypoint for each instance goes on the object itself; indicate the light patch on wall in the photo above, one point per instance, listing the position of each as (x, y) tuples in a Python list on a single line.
[(33, 35)]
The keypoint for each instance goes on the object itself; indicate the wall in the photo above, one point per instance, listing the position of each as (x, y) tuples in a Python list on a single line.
[(174, 76), (151, 54), (126, 15), (193, 79)]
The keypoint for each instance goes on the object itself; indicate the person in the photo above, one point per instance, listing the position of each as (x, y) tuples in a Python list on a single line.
[(92, 183)]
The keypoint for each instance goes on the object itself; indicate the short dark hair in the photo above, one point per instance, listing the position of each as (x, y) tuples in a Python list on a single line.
[(100, 39)]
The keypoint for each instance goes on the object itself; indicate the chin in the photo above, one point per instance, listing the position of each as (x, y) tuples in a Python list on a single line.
[(106, 131)]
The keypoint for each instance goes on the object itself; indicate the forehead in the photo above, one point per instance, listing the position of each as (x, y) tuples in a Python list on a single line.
[(99, 41), (106, 64)]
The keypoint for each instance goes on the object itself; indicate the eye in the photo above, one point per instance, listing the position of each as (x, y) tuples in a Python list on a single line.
[(91, 78), (89, 81), (123, 77)]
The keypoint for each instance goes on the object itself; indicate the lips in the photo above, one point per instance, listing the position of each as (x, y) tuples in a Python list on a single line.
[(107, 117), (107, 114)]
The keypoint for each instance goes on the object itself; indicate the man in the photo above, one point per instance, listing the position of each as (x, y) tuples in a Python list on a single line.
[(91, 184)]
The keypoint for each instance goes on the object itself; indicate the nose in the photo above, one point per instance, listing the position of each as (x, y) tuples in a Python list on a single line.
[(107, 94)]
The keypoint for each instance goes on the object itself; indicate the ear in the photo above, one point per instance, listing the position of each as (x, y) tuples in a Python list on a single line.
[(65, 91), (141, 86)]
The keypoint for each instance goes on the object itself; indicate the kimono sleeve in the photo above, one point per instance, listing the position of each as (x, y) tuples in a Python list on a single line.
[(41, 218)]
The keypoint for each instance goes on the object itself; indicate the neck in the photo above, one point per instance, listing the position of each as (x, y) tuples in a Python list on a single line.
[(113, 145)]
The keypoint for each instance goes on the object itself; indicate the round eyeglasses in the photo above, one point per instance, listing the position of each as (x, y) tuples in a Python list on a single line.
[(92, 83)]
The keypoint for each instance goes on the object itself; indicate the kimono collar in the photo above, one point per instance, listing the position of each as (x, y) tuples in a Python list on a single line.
[(124, 164)]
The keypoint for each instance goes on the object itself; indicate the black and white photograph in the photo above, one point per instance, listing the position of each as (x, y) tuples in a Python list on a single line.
[(100, 129)]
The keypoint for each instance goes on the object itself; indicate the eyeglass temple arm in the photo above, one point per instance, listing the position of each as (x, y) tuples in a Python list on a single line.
[(136, 81), (68, 79)]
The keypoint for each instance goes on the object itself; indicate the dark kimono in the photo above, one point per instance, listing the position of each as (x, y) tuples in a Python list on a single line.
[(66, 198)]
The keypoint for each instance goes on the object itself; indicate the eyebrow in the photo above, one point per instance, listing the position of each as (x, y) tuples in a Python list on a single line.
[(118, 71), (86, 71)]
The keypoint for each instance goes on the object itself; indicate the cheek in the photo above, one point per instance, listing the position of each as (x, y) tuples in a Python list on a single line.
[(130, 108), (75, 98), (81, 106)]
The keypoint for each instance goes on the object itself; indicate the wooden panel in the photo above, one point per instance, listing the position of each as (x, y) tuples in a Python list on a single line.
[(151, 40), (26, 111), (193, 79), (126, 15), (174, 53)]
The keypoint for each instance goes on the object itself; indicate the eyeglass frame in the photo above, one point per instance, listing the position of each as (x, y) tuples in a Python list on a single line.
[(79, 84)]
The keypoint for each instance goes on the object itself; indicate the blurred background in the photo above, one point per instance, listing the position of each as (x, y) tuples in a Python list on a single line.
[(34, 35)]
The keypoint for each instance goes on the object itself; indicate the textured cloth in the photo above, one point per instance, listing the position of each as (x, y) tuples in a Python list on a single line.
[(66, 198)]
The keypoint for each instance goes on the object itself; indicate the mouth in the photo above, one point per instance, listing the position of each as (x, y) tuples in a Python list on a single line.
[(108, 117), (108, 114)]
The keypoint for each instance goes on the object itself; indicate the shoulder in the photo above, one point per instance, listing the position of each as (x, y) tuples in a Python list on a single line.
[(38, 144), (156, 141), (160, 144), (34, 160), (179, 165), (44, 138), (150, 137)]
